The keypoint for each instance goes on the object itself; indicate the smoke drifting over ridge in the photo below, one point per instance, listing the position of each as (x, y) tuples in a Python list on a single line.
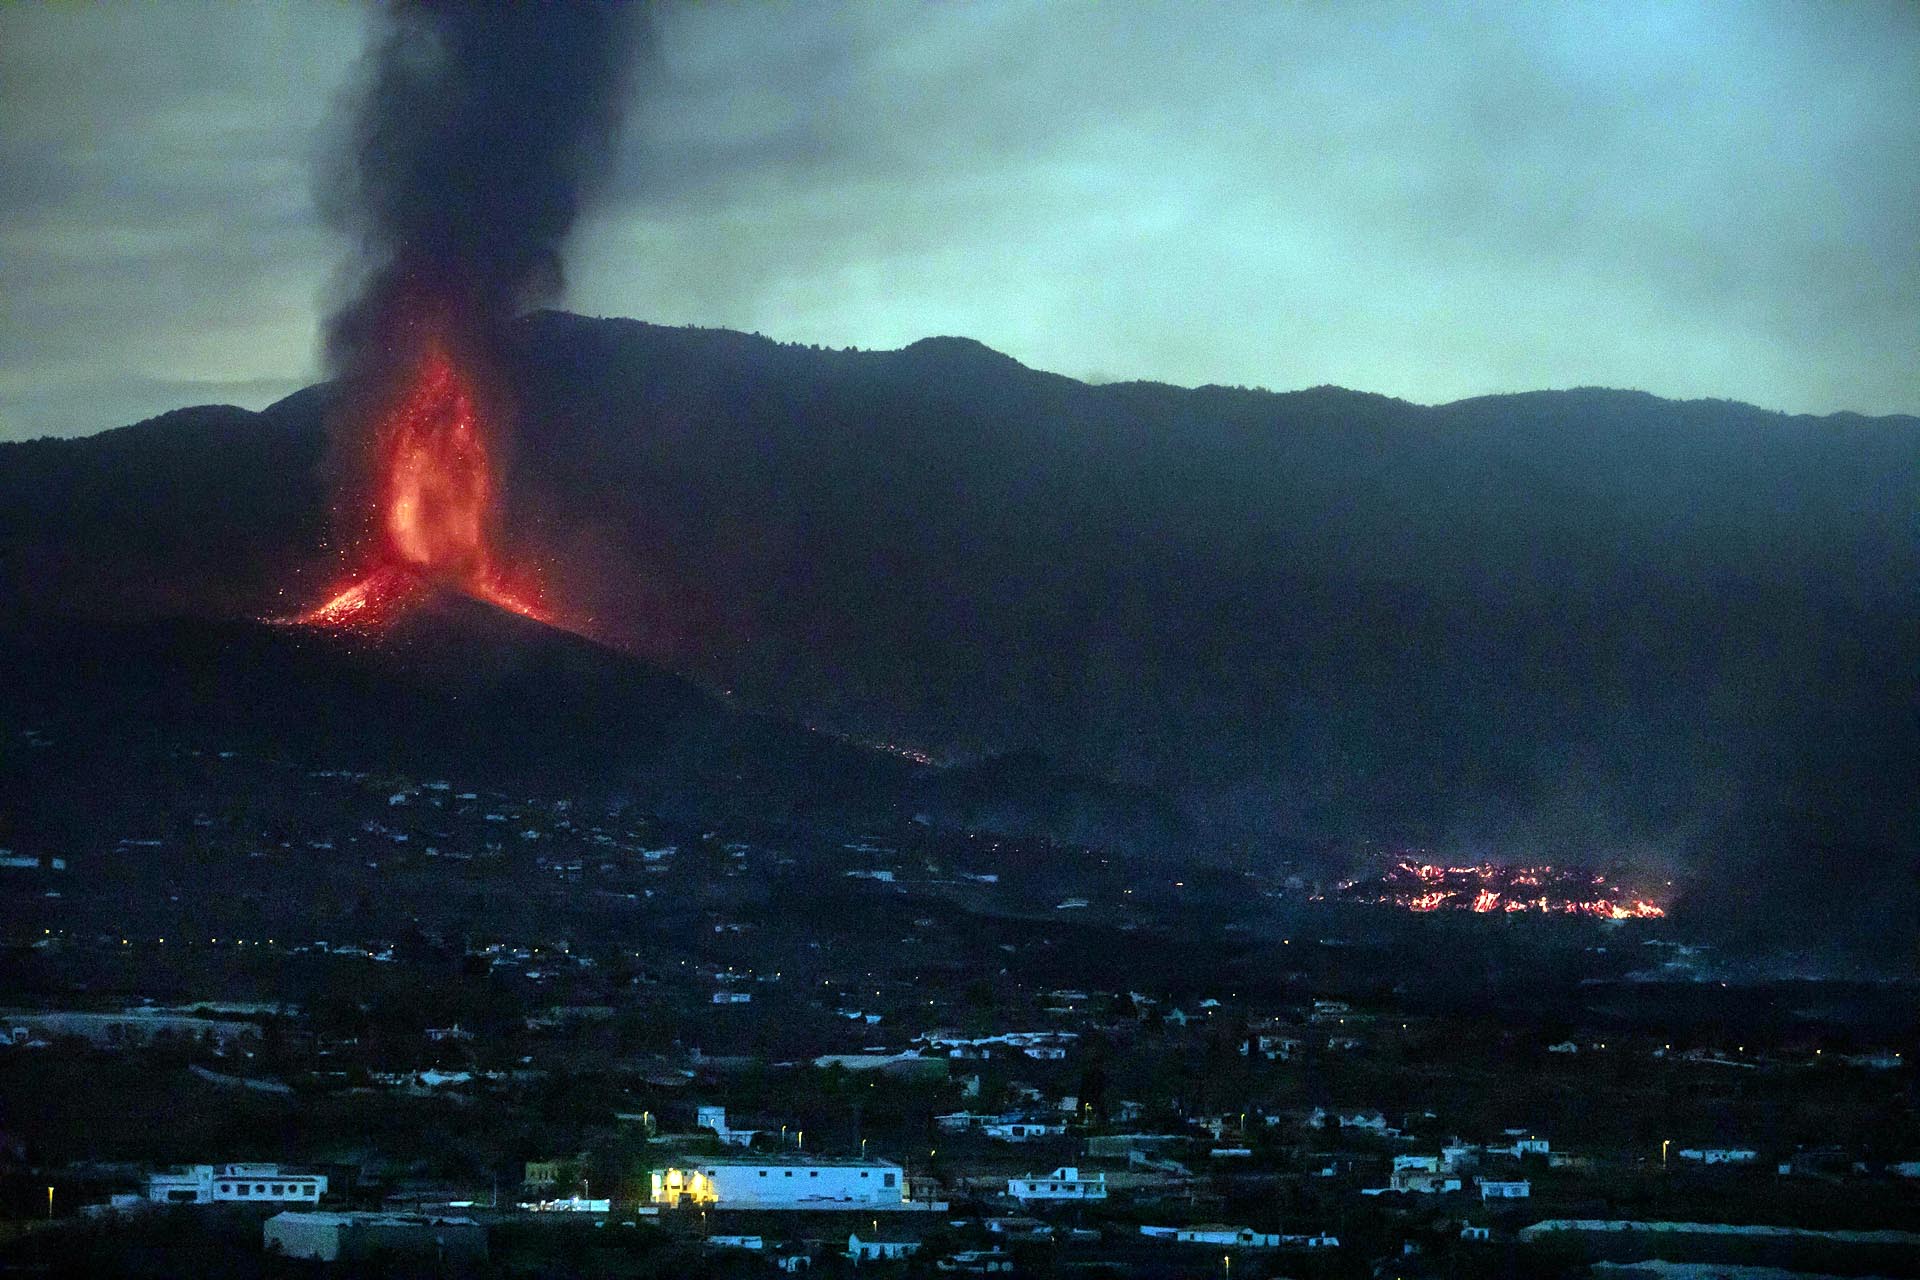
[(473, 138)]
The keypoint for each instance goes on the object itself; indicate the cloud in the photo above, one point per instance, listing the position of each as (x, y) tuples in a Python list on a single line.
[(1689, 198)]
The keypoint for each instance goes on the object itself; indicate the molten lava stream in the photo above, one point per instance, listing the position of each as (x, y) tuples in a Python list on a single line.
[(434, 492)]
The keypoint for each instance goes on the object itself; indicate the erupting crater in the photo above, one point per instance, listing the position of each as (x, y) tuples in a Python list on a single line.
[(434, 490)]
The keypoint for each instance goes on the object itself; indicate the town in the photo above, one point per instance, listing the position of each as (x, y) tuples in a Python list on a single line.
[(422, 1024)]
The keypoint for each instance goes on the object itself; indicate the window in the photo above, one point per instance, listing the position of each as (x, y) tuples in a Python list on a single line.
[(789, 1173), (813, 1173), (763, 1173), (889, 1180), (244, 1188), (863, 1173)]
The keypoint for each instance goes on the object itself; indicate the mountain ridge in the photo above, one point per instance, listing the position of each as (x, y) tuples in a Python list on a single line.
[(1558, 620)]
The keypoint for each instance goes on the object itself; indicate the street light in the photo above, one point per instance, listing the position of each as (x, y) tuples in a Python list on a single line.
[(1664, 1144), (49, 1203)]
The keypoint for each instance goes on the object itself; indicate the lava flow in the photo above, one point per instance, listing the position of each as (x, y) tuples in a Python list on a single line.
[(1488, 888), (434, 490)]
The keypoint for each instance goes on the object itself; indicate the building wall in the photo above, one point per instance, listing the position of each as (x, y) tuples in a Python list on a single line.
[(747, 1186), (304, 1235), (241, 1184)]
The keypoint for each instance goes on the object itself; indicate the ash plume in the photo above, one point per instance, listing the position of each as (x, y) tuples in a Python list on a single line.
[(475, 134)]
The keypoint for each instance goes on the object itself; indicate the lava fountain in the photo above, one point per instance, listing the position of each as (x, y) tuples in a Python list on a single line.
[(470, 141), (434, 489)]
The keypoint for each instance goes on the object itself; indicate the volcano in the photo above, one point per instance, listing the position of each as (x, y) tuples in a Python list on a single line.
[(435, 491), (450, 685)]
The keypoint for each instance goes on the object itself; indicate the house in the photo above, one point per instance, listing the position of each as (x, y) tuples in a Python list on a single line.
[(1062, 1184), (1018, 1228), (1214, 1233), (1425, 1181), (733, 997), (1718, 1155), (1023, 1130), (240, 1183), (1470, 1232), (543, 1175), (1518, 1189), (789, 1180), (1122, 1146), (570, 1204), (886, 1245), (755, 1243), (332, 1237), (976, 1262), (1273, 1048), (715, 1118), (1370, 1121)]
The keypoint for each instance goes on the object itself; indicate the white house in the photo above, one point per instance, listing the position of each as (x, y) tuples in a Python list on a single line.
[(880, 1246), (1372, 1121), (1273, 1048), (1062, 1184), (1214, 1233), (1424, 1181), (1719, 1155), (715, 1118), (1514, 1190), (243, 1183), (755, 1243), (1022, 1130), (785, 1181)]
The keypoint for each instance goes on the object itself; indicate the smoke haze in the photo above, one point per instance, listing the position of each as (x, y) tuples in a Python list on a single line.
[(472, 139)]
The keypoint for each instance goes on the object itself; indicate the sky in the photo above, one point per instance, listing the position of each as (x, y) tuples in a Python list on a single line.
[(1430, 201)]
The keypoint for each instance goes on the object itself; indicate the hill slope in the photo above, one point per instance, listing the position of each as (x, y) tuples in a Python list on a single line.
[(1577, 621)]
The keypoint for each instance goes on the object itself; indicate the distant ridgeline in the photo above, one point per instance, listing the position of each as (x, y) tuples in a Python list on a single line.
[(1573, 625)]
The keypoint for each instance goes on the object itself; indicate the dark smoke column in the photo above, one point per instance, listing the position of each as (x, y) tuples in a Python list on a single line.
[(474, 135), (477, 131)]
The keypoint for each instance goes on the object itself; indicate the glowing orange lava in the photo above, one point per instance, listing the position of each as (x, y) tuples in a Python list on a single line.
[(435, 490), (1489, 888)]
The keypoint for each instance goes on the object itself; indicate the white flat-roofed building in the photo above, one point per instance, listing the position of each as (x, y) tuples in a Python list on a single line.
[(785, 1182), (238, 1183), (1023, 1130), (1062, 1184), (1510, 1190)]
